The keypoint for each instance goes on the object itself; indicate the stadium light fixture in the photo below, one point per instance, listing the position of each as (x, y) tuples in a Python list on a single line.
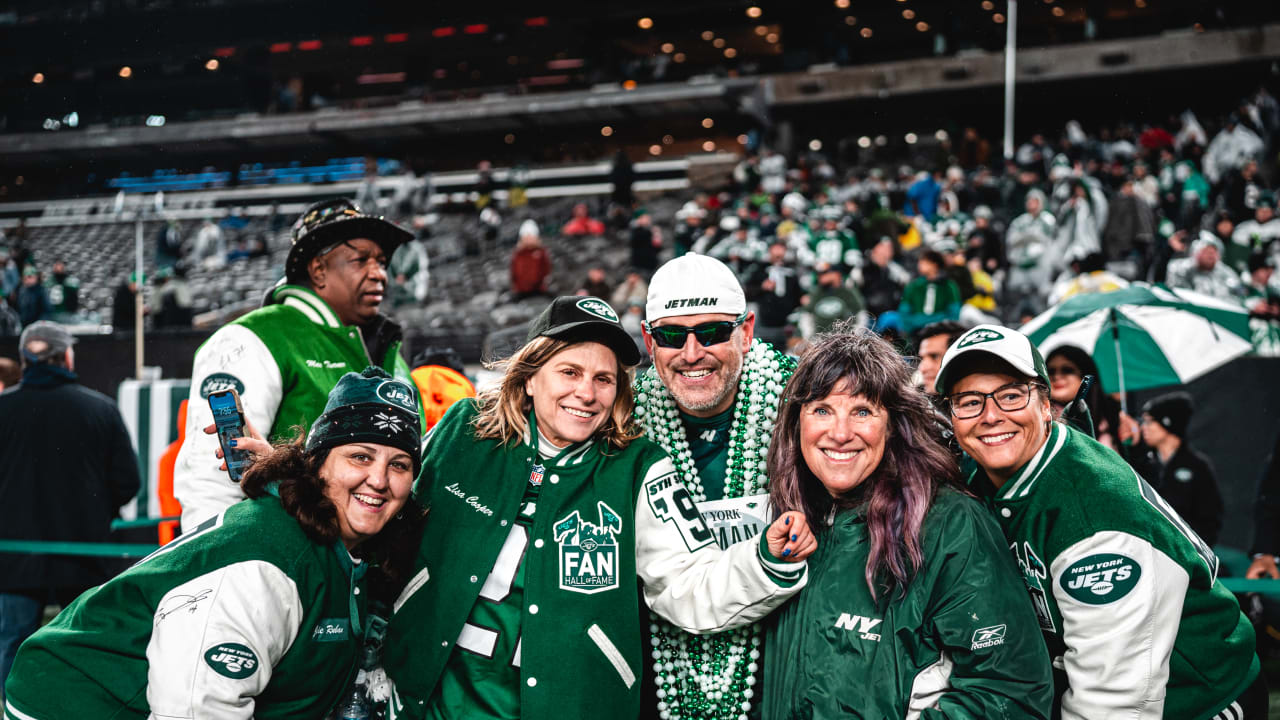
[(125, 72), (708, 146), (988, 5), (37, 78), (1059, 12), (667, 139), (762, 30), (850, 20), (509, 138), (909, 14), (678, 57), (606, 131), (842, 4), (911, 138), (922, 26), (718, 43), (754, 11), (708, 123), (743, 139), (155, 121), (864, 142), (655, 149), (815, 144), (644, 23), (730, 53), (998, 18), (211, 64), (771, 38), (708, 35), (668, 48), (628, 84), (881, 141), (865, 32), (71, 119)]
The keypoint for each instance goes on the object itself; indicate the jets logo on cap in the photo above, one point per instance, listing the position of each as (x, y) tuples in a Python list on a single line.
[(597, 307), (399, 394), (979, 336)]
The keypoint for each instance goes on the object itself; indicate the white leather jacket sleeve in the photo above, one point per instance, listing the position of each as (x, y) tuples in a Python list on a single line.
[(688, 579), (216, 639), (234, 354), (1120, 639)]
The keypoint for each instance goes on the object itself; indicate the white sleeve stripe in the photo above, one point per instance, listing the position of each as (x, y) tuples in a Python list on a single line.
[(414, 585), (12, 713)]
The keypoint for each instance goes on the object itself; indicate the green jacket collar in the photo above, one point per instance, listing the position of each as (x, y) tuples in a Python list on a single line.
[(306, 301), (1021, 484), (572, 454)]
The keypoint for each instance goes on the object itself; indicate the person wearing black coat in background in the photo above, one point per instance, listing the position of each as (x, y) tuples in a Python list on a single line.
[(1183, 476), (68, 468)]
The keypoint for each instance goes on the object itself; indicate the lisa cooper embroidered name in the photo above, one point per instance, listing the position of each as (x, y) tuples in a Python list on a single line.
[(473, 500)]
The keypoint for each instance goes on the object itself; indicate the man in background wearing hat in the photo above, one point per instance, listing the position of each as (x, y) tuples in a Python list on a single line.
[(709, 400), (68, 467), (319, 323), (1203, 272), (1183, 476)]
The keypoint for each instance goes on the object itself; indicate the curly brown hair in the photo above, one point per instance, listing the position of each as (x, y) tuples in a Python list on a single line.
[(295, 474)]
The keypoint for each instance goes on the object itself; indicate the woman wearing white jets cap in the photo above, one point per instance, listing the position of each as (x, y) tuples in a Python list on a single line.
[(1126, 594)]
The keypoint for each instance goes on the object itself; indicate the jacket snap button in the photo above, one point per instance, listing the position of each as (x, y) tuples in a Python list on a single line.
[(555, 479), (1005, 512), (538, 543), (532, 682), (474, 578)]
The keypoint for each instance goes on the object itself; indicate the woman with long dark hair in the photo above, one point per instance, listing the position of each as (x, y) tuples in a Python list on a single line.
[(261, 612), (914, 606)]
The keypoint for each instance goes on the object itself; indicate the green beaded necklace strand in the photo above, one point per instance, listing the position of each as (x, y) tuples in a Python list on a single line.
[(714, 676)]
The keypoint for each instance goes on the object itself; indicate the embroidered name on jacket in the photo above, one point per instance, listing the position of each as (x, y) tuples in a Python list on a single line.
[(589, 551), (472, 500)]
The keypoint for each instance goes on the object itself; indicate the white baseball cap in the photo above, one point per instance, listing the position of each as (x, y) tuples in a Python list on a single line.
[(1005, 343), (692, 285)]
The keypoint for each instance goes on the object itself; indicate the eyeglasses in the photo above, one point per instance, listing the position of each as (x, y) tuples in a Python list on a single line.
[(707, 333), (1011, 397)]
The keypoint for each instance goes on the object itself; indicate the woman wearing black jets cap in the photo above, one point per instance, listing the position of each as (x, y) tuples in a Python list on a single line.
[(547, 507)]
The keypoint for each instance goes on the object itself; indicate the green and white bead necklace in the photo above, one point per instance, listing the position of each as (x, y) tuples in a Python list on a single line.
[(714, 676)]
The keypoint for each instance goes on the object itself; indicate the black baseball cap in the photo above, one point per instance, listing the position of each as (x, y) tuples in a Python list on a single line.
[(585, 319), (328, 222)]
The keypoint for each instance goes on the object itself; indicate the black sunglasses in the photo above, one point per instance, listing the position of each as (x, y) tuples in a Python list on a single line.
[(707, 333)]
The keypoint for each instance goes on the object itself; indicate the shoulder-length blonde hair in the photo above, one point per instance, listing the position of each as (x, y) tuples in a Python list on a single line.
[(504, 409)]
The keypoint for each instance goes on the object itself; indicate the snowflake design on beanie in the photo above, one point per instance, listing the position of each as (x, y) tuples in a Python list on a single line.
[(383, 421)]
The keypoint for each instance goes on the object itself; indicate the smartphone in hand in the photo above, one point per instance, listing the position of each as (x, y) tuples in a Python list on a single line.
[(228, 416)]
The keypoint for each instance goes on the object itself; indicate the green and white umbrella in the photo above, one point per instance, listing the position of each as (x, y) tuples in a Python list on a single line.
[(1146, 336)]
